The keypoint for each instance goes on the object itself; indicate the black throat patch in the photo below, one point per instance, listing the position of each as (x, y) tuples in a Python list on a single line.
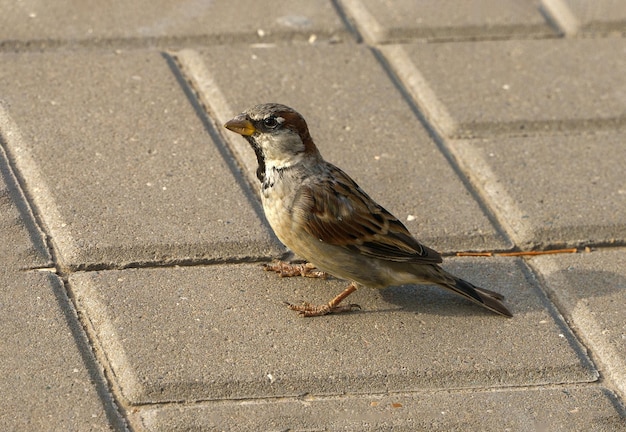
[(260, 171)]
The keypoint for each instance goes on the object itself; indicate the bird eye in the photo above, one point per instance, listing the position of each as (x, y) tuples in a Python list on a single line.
[(270, 122)]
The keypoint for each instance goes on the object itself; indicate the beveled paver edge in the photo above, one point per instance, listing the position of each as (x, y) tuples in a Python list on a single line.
[(37, 237), (37, 188), (192, 66), (583, 324), (485, 182), (104, 339), (367, 409), (116, 414), (561, 16), (431, 108)]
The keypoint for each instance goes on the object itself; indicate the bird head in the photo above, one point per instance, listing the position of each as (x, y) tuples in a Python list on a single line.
[(278, 134)]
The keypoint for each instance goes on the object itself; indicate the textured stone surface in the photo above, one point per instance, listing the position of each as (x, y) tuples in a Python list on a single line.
[(590, 290), (217, 332), (339, 89), (119, 164), (560, 409), (47, 372), (534, 86), (553, 191), (23, 245), (400, 20), (599, 16), (482, 124), (164, 22)]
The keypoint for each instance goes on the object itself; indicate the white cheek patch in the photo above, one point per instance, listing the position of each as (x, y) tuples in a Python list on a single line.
[(281, 148)]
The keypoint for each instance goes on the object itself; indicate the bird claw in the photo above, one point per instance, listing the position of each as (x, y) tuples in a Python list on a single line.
[(310, 310), (285, 269)]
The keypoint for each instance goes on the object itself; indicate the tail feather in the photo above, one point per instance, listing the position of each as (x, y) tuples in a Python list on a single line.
[(484, 297), (488, 292)]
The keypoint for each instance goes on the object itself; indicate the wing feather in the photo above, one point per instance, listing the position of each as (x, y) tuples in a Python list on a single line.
[(337, 211)]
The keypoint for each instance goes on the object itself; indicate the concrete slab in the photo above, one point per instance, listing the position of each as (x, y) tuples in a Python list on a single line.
[(23, 245), (590, 290), (48, 377), (598, 17), (120, 165), (554, 409), (339, 89), (222, 332), (534, 86), (552, 191), (437, 20), (165, 22)]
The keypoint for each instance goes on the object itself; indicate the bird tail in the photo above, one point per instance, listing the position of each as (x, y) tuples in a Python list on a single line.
[(484, 297)]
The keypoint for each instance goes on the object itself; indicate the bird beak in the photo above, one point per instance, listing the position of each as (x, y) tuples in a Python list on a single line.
[(240, 125)]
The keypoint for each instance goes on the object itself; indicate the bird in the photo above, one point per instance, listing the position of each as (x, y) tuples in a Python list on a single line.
[(324, 217)]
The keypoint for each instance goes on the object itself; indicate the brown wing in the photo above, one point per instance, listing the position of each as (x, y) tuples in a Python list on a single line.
[(340, 213)]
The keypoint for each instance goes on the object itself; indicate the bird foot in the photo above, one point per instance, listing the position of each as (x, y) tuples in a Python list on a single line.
[(310, 310), (285, 269)]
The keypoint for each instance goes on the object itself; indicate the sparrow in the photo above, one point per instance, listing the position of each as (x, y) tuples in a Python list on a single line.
[(323, 216)]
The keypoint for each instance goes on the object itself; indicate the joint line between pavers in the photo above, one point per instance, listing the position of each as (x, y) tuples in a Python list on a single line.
[(587, 329), (263, 400), (485, 183), (433, 110), (558, 13), (111, 352), (350, 24), (212, 98), (404, 68), (602, 353), (364, 23), (38, 237), (35, 184)]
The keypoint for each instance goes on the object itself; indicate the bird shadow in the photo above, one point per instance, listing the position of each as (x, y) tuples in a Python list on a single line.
[(427, 299), (524, 288), (509, 277)]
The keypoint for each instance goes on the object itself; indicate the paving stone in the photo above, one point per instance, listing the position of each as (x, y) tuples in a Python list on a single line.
[(166, 22), (23, 245), (590, 290), (553, 191), (553, 409), (339, 89), (45, 378), (600, 16), (120, 165), (382, 21), (222, 332), (534, 86)]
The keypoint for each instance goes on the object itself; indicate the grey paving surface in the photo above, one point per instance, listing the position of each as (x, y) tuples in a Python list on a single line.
[(377, 153), (163, 23), (131, 237), (590, 289), (530, 182), (383, 21), (119, 190), (23, 244), (553, 409), (49, 379), (523, 92), (599, 17), (164, 358)]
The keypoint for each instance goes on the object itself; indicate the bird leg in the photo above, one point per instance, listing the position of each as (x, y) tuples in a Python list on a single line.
[(285, 269), (333, 306)]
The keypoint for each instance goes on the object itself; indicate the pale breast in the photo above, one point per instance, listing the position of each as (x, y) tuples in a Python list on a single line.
[(277, 198), (278, 202)]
